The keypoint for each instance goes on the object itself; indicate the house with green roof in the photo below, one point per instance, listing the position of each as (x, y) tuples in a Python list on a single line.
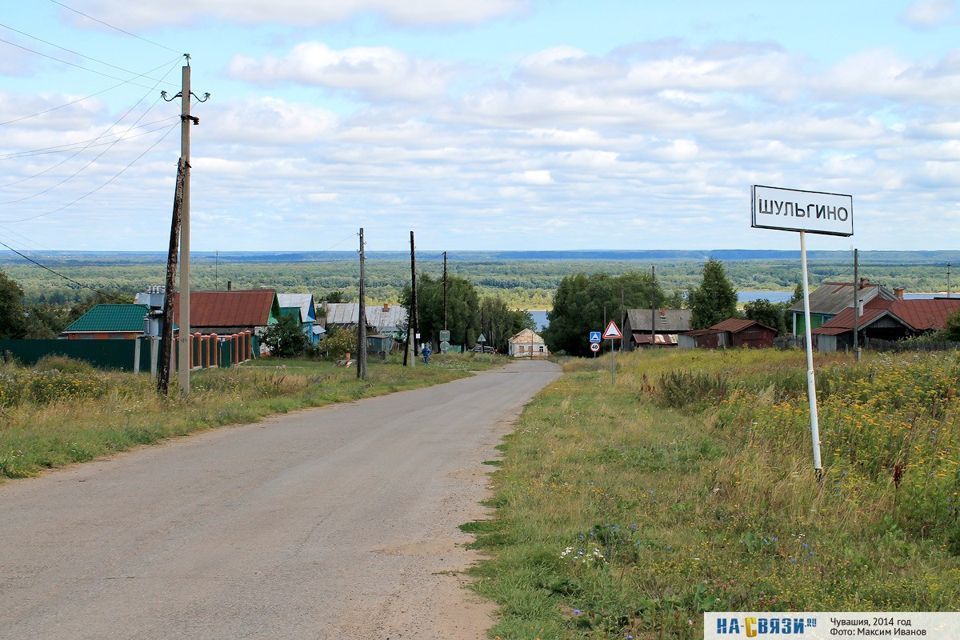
[(108, 322)]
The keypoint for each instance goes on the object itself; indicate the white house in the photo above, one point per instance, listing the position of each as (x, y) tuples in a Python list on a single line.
[(527, 344)]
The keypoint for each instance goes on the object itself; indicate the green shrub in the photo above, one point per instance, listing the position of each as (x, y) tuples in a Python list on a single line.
[(48, 386), (691, 389), (64, 364)]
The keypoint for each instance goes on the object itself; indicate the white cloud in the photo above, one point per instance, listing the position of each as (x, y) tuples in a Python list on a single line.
[(375, 71), (535, 176), (138, 15), (266, 121), (926, 14)]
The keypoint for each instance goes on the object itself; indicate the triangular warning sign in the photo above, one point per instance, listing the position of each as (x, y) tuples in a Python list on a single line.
[(612, 332)]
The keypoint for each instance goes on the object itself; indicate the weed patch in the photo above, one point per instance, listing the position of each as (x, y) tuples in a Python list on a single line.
[(629, 510)]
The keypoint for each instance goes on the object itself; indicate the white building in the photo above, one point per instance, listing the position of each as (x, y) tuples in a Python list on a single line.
[(527, 344)]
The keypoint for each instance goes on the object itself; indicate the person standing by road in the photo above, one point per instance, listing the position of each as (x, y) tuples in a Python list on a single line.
[(426, 353)]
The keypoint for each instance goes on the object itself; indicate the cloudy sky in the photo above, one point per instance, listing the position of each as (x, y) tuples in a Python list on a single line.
[(480, 124)]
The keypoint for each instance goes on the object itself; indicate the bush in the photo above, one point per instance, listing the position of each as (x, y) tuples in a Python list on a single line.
[(286, 338), (48, 386), (690, 389), (64, 364), (338, 343)]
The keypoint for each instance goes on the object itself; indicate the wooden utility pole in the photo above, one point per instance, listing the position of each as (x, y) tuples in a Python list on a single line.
[(362, 320), (653, 309), (856, 306), (412, 311), (166, 337)]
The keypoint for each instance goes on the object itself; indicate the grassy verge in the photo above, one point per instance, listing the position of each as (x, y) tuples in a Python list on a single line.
[(627, 510), (64, 412)]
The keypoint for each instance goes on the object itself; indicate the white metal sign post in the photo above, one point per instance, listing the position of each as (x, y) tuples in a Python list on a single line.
[(803, 211), (612, 333)]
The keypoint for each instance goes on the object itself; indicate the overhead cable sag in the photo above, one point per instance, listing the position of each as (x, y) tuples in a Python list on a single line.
[(76, 53), (115, 28), (99, 155)]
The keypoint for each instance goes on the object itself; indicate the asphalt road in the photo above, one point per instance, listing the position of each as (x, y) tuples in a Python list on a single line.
[(339, 522)]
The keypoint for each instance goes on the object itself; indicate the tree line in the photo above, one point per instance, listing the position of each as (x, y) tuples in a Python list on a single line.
[(586, 302)]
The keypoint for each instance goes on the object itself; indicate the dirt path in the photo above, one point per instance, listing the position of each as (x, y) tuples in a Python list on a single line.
[(338, 522)]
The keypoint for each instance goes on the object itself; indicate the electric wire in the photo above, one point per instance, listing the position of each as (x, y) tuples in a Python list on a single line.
[(105, 184), (76, 53), (99, 155), (68, 63), (65, 148), (107, 24), (79, 100), (45, 267)]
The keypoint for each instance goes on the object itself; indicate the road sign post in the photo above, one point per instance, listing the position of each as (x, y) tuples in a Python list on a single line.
[(595, 342), (611, 333), (813, 212)]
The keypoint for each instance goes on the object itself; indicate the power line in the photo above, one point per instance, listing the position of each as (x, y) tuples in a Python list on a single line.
[(92, 95), (107, 24), (45, 267), (70, 64), (92, 142), (99, 155), (76, 53), (109, 181)]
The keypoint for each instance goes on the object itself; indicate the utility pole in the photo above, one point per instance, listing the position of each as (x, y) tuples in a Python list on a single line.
[(362, 320), (948, 279), (185, 337), (412, 312), (653, 310), (186, 120), (856, 306), (166, 338), (444, 290)]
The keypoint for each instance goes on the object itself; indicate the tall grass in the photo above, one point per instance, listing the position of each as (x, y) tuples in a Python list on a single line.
[(62, 411), (688, 487)]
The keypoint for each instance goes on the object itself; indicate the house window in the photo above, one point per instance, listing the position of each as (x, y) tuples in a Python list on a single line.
[(521, 348), (541, 349)]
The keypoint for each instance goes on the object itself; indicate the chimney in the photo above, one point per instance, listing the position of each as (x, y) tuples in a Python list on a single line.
[(864, 282), (899, 291), (386, 307), (229, 284)]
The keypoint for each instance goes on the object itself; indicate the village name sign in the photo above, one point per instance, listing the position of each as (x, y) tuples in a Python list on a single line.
[(797, 210)]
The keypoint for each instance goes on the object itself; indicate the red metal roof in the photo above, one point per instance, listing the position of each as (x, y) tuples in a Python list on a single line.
[(250, 308), (925, 315), (736, 325), (919, 315)]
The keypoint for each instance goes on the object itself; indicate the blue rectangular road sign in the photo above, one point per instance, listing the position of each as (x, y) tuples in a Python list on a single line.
[(594, 336)]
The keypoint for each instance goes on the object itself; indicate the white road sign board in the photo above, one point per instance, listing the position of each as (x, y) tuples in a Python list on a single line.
[(594, 346), (798, 210), (612, 332)]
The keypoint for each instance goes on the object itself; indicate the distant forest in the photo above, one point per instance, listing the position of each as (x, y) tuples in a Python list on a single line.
[(525, 280)]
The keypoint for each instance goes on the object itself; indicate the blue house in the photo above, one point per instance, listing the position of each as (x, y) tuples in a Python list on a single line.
[(301, 306)]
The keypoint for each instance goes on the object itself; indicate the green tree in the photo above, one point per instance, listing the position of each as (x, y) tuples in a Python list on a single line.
[(286, 339), (12, 312), (498, 322), (715, 299), (336, 296), (463, 309), (772, 314), (338, 343), (583, 301), (952, 329), (797, 294)]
